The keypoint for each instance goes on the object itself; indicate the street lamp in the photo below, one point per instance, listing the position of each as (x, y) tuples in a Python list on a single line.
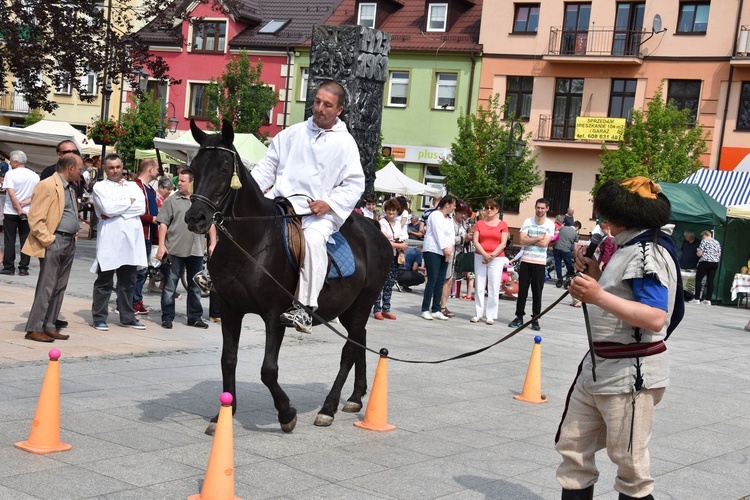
[(173, 121), (517, 148)]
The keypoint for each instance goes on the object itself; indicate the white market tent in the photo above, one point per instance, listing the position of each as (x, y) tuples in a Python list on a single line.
[(739, 211), (185, 148), (38, 141), (390, 179)]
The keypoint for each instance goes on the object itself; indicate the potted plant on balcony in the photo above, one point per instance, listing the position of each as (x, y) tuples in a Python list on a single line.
[(106, 132)]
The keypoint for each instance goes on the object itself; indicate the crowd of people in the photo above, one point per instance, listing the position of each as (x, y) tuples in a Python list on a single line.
[(45, 212)]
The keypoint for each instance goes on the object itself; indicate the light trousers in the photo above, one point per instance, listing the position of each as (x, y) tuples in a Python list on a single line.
[(596, 421), (315, 265), (487, 276)]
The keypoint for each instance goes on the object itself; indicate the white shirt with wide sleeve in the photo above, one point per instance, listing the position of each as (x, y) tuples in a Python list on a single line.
[(119, 238), (439, 233), (316, 163)]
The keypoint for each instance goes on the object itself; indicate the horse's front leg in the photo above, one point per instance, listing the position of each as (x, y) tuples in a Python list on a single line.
[(269, 372), (231, 324)]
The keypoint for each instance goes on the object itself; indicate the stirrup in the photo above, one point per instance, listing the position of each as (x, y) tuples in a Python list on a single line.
[(203, 280), (299, 318)]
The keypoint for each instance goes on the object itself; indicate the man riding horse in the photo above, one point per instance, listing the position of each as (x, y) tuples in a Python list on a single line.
[(316, 166)]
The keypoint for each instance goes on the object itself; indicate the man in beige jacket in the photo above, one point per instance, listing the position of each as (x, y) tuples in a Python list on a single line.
[(53, 221)]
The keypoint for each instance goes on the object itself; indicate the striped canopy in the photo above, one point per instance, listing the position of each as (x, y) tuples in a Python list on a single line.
[(726, 187)]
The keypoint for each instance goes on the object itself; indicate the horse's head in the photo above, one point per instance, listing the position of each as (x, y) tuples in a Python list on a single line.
[(213, 168)]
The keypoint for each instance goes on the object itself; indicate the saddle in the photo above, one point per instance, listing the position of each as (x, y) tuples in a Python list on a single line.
[(340, 255)]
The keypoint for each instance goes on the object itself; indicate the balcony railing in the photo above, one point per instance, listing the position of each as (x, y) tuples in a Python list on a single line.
[(13, 102), (556, 129), (595, 42)]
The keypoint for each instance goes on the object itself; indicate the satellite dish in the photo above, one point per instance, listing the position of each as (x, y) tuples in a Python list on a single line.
[(656, 27)]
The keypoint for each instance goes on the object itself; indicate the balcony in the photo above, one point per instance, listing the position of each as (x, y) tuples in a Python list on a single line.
[(560, 133), (595, 46), (741, 56), (13, 104)]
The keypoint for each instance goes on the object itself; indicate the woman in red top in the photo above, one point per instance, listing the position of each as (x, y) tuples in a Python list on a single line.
[(490, 238)]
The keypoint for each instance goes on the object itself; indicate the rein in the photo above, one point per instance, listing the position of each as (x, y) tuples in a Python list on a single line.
[(383, 352), (219, 218)]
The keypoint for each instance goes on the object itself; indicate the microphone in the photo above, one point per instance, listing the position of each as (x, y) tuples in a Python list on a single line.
[(594, 242)]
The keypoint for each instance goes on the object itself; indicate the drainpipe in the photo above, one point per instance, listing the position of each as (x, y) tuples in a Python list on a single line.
[(729, 87), (471, 82), (289, 54)]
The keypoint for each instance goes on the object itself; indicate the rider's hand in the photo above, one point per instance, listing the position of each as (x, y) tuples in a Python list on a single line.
[(585, 288), (319, 207)]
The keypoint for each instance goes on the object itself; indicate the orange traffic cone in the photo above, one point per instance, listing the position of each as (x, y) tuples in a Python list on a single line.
[(218, 483), (376, 415), (532, 386), (45, 429)]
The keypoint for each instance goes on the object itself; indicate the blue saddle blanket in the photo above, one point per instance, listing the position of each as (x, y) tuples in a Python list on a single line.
[(342, 257)]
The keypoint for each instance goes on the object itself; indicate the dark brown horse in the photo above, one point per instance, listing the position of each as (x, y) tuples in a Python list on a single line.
[(255, 227)]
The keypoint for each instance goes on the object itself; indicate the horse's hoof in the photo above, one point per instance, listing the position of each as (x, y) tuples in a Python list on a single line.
[(323, 420), (290, 426), (211, 429), (351, 407)]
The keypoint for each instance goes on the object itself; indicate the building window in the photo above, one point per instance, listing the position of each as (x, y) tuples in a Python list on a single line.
[(157, 89), (526, 18), (628, 33), (693, 17), (398, 88), (445, 91), (518, 97), (64, 86), (685, 94), (622, 98), (557, 191), (743, 115), (575, 34), (568, 99), (273, 26), (305, 78), (88, 84), (198, 101), (433, 177), (366, 15), (209, 36), (437, 17)]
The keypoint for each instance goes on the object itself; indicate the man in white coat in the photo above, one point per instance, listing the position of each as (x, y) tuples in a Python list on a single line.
[(119, 244), (318, 159)]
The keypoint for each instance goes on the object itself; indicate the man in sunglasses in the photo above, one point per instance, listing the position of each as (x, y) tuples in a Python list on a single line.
[(63, 148)]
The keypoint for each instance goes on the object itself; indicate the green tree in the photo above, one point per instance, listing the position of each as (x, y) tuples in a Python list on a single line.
[(141, 123), (241, 97), (476, 167), (663, 144), (34, 116)]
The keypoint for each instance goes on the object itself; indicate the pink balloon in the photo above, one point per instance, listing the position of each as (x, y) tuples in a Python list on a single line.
[(54, 354)]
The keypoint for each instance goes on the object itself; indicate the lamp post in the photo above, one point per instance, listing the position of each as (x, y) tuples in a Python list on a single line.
[(518, 148), (173, 121)]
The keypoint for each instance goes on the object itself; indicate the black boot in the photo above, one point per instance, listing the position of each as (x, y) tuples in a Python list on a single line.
[(623, 496), (584, 494)]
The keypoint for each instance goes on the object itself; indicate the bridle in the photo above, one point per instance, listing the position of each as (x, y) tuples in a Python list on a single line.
[(216, 207)]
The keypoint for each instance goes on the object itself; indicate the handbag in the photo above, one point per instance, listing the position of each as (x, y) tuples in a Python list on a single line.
[(401, 258), (465, 262)]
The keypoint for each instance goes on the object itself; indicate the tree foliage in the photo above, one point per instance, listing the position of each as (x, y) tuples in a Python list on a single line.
[(661, 144), (476, 167), (141, 123), (241, 97), (47, 44)]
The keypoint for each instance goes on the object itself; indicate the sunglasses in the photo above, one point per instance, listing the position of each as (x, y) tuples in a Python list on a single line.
[(70, 151), (490, 208)]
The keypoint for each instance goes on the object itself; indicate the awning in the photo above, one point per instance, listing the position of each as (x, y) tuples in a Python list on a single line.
[(390, 179), (725, 186)]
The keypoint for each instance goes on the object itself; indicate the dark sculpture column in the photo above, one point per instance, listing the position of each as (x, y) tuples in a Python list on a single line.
[(357, 58)]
